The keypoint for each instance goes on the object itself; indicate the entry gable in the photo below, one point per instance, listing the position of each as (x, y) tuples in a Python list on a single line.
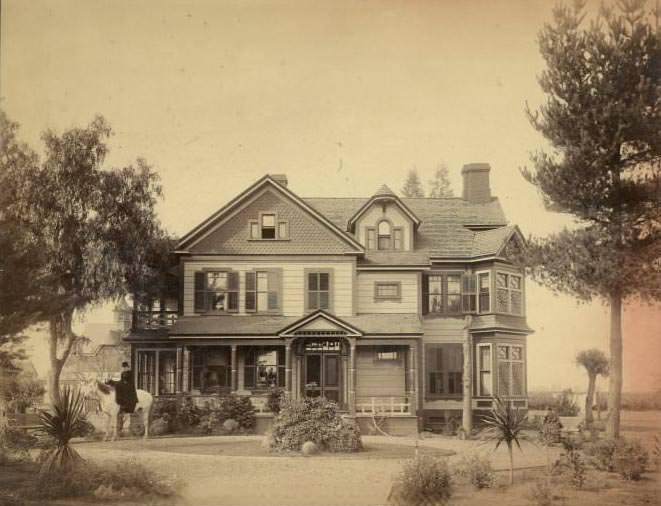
[(298, 228), (320, 323)]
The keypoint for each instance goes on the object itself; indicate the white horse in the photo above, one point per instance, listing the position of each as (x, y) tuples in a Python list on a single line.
[(109, 407)]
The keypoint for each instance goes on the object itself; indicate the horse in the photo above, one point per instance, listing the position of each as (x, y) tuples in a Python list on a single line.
[(110, 408)]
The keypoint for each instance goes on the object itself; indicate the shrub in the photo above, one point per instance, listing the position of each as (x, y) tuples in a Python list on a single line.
[(601, 454), (424, 480), (571, 464), (565, 406), (188, 415), (551, 428), (313, 420), (630, 459), (477, 470), (541, 493), (240, 409), (127, 477), (274, 400)]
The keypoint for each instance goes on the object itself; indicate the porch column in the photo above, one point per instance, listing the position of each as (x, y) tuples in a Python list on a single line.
[(352, 377), (467, 414), (178, 387), (288, 386), (185, 369), (412, 393), (235, 369)]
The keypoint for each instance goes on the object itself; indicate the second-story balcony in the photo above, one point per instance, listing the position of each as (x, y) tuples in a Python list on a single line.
[(154, 320)]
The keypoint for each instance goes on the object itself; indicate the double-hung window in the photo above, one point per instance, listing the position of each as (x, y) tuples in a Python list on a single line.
[(484, 292), (485, 382), (442, 293), (216, 291), (445, 366), (269, 227), (510, 370), (318, 290), (509, 293), (384, 235), (263, 291)]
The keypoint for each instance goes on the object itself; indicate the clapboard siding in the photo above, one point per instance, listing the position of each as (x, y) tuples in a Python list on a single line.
[(409, 287), (293, 282), (379, 378), (444, 329)]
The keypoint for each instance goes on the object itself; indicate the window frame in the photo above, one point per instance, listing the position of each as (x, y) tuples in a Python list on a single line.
[(510, 292), (444, 293), (256, 291), (255, 228), (205, 291), (306, 274), (379, 235), (509, 360), (155, 373), (443, 372), (478, 287), (479, 369), (203, 369), (385, 298)]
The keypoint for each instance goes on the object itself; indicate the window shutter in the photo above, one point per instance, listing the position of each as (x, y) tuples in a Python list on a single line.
[(251, 286), (200, 287), (469, 293), (425, 294), (274, 290)]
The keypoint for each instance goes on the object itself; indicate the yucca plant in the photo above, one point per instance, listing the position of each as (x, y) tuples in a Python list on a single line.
[(66, 420), (505, 424)]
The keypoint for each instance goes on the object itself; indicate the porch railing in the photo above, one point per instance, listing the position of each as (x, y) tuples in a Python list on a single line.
[(384, 406), (148, 320)]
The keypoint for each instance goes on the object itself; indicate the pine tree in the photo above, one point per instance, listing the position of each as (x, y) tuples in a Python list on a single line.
[(412, 186), (440, 186), (603, 121)]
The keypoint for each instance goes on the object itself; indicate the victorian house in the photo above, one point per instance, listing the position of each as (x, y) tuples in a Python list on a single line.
[(406, 308)]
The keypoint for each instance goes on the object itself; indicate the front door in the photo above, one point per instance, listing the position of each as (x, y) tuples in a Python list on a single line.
[(322, 375)]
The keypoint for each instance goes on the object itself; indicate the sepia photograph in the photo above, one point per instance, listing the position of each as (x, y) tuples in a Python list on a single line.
[(330, 253)]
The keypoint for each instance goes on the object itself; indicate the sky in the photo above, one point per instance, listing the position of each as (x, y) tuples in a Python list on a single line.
[(341, 96)]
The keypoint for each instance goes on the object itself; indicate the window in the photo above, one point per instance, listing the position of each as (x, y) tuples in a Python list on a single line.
[(442, 293), (469, 291), (484, 369), (387, 291), (216, 291), (167, 372), (263, 291), (484, 286), (211, 369), (318, 290), (445, 366), (384, 235), (146, 371), (509, 293), (264, 368), (387, 353), (510, 370), (371, 238), (397, 238), (268, 226)]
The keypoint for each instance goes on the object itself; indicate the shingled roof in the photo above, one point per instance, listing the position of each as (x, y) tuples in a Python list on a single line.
[(450, 228)]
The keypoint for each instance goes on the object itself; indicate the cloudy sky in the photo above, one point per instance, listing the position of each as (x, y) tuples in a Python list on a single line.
[(340, 96)]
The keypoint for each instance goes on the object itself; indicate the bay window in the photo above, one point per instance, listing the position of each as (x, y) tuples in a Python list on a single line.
[(509, 293)]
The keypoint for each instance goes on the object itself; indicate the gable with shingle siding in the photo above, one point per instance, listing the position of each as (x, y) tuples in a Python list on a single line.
[(306, 234)]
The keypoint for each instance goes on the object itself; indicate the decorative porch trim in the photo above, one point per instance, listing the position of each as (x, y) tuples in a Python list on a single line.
[(290, 331)]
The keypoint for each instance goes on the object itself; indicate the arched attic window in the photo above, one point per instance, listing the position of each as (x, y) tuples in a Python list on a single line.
[(384, 235)]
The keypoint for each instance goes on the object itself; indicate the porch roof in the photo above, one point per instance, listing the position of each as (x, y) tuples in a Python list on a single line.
[(259, 325)]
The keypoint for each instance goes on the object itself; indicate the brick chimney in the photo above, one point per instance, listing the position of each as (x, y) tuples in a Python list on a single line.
[(476, 182), (281, 179)]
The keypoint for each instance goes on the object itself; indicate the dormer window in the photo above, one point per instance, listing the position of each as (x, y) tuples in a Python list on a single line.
[(384, 235), (268, 227)]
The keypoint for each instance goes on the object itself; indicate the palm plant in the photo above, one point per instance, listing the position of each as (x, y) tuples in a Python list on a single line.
[(505, 424), (595, 363), (66, 421)]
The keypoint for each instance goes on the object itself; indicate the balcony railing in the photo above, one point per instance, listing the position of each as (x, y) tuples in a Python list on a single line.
[(384, 406), (152, 320)]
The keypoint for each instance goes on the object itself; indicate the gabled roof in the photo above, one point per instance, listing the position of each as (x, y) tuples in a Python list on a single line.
[(320, 321), (233, 205)]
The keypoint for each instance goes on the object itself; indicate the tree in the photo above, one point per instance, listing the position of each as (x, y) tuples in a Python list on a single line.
[(596, 364), (440, 186), (602, 119), (94, 228), (412, 186)]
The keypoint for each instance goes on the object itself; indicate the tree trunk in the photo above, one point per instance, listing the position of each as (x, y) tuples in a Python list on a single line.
[(60, 332), (589, 399), (510, 450), (615, 376), (467, 417)]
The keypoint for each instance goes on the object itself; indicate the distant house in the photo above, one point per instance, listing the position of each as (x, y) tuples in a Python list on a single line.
[(101, 355), (370, 302)]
